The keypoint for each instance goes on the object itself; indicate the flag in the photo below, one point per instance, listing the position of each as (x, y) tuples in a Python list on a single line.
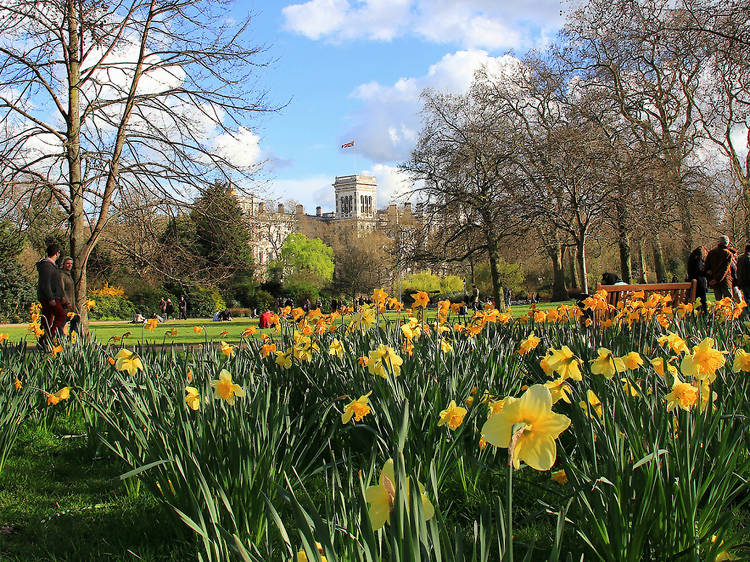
[(347, 145)]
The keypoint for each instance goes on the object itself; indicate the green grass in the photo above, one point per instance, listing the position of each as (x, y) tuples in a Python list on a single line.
[(58, 501), (105, 331)]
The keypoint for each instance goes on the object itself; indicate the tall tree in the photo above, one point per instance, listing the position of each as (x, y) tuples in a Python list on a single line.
[(464, 168), (100, 98)]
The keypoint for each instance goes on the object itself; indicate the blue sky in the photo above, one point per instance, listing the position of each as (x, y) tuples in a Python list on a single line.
[(353, 70)]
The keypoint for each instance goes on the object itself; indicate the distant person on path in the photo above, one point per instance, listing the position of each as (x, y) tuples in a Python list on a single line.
[(475, 297), (719, 269), (696, 270), (743, 272), (69, 292), (168, 309), (162, 307), (50, 294), (183, 308)]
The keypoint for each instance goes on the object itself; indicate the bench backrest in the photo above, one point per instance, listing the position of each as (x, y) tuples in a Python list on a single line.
[(681, 292)]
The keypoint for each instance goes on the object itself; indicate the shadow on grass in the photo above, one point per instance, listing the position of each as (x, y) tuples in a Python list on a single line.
[(58, 504)]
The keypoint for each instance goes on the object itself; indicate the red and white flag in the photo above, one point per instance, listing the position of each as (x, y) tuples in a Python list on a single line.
[(347, 145)]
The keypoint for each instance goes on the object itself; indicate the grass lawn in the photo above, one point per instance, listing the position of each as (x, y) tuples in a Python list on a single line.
[(56, 503), (105, 331)]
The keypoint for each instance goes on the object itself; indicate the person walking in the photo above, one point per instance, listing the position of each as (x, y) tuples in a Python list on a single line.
[(696, 270), (162, 308), (168, 309), (475, 297), (50, 295), (743, 272), (183, 308), (719, 269), (69, 292)]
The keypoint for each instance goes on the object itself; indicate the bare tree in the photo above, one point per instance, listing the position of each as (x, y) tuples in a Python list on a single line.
[(463, 160), (98, 99)]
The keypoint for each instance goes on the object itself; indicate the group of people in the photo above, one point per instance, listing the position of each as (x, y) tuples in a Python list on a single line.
[(722, 270), (55, 291)]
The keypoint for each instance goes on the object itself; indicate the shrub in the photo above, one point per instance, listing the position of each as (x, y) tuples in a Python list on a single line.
[(299, 290), (261, 300), (240, 312), (112, 308)]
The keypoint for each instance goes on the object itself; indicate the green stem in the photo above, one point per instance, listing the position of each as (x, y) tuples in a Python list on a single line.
[(509, 514)]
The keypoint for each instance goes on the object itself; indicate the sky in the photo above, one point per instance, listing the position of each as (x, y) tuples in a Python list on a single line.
[(353, 70)]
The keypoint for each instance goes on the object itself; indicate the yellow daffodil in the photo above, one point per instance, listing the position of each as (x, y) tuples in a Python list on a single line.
[(172, 332), (632, 361), (225, 389), (564, 363), (189, 375), (267, 349), (302, 557), (250, 331), (528, 427), (703, 363), (151, 324), (741, 361), (17, 384), (559, 389), (56, 350), (675, 342), (297, 313), (559, 476), (630, 388), (592, 403), (358, 408), (90, 303), (421, 299), (283, 360), (659, 366), (381, 498), (226, 349), (197, 329), (336, 348), (453, 415), (192, 399), (607, 364), (445, 347), (126, 360), (62, 394), (4, 338), (383, 361), (528, 344), (683, 395), (363, 320)]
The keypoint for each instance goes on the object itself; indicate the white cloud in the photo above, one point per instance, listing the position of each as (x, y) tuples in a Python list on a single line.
[(393, 184), (471, 23), (386, 127), (241, 148)]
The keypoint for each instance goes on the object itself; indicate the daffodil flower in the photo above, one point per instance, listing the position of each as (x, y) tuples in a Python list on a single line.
[(192, 399), (453, 415), (528, 427), (382, 497), (126, 360), (358, 408), (703, 363), (225, 389), (607, 364)]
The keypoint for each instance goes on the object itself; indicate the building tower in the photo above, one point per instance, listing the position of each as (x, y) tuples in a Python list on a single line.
[(356, 199)]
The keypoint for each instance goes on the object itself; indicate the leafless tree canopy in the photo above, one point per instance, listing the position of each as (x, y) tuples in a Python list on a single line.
[(105, 102)]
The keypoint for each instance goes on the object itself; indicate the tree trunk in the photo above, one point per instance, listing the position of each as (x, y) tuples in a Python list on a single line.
[(581, 253), (497, 290), (623, 241), (746, 201), (642, 274), (78, 249), (559, 290), (574, 277), (661, 270)]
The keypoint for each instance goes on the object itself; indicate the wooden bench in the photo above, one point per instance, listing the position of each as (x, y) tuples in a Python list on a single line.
[(682, 293)]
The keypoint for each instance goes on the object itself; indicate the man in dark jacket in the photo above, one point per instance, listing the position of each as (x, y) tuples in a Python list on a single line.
[(743, 272), (719, 269), (50, 295)]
